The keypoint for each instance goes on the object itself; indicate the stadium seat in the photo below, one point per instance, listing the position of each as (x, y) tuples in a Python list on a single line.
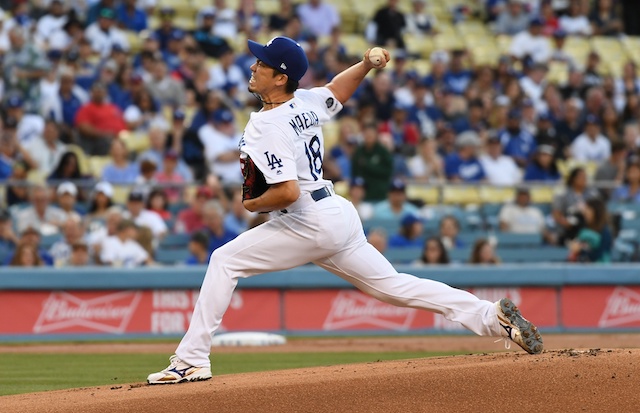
[(461, 195), (175, 241), (403, 255), (510, 240), (428, 195), (171, 256), (539, 254), (543, 194), (97, 164), (496, 194), (120, 194), (46, 241), (390, 226)]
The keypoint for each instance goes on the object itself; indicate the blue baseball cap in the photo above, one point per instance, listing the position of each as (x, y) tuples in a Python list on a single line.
[(282, 54), (592, 119), (222, 116), (409, 219), (14, 102), (559, 34), (536, 21), (177, 34)]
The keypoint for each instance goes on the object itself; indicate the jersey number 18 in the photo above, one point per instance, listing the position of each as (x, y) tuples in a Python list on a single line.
[(315, 157)]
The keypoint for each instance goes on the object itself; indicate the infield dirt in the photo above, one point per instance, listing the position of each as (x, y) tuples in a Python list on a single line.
[(566, 380)]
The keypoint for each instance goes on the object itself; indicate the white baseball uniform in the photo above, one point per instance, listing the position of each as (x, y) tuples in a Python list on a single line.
[(286, 143)]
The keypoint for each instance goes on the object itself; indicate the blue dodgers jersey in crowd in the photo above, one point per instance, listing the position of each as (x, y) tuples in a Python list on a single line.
[(469, 170)]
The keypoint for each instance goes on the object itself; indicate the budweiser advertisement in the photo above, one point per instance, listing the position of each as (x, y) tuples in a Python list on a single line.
[(168, 312)]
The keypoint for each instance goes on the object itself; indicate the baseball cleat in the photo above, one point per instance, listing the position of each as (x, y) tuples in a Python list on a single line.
[(178, 372), (520, 330)]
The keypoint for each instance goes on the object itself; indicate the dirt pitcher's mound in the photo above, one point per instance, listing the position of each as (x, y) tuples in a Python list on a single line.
[(568, 380)]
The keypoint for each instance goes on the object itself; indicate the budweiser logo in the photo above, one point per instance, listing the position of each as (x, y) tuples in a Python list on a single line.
[(354, 309), (623, 307), (109, 313)]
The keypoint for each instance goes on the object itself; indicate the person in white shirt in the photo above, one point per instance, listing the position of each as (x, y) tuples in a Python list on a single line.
[(220, 140), (318, 17), (121, 250), (591, 145), (50, 23), (534, 84), (531, 43), (575, 23), (226, 25), (103, 34), (521, 217), (500, 169), (46, 150), (143, 217), (228, 76), (29, 126), (73, 232)]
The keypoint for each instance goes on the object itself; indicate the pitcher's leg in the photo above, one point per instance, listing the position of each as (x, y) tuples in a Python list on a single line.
[(367, 269), (273, 246)]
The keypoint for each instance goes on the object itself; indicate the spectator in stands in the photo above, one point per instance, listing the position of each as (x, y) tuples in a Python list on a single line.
[(591, 145), (28, 126), (158, 202), (631, 138), (143, 217), (463, 165), (31, 236), (559, 54), (72, 232), (377, 237), (40, 214), (427, 165), (11, 149), (592, 76), (169, 175), (67, 197), (213, 219), (158, 150), (98, 122), (628, 83), (63, 106), (448, 232), (226, 25), (475, 119), (419, 21), (284, 13), (604, 20), (17, 192), (211, 44), (26, 256), (549, 18), (166, 90), (24, 65), (199, 249), (531, 43), (47, 150), (390, 24), (226, 76), (220, 140), (629, 191), (404, 133), (237, 218), (95, 7), (318, 17), (122, 250), (190, 219), (610, 124), (410, 233), (8, 238), (483, 253), (517, 142), (378, 94), (142, 113), (374, 163), (576, 22), (612, 171), (534, 84), (457, 78), (337, 163), (439, 60), (566, 205), (396, 205), (79, 255), (130, 17), (248, 18), (120, 171), (104, 35), (542, 167), (513, 19), (101, 201), (357, 193), (593, 241), (500, 169), (520, 217), (433, 253), (99, 230)]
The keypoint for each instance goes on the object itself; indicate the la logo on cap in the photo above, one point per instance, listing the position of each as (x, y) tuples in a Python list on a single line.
[(283, 66), (271, 41)]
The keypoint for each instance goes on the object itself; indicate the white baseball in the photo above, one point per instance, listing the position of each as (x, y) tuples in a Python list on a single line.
[(376, 56)]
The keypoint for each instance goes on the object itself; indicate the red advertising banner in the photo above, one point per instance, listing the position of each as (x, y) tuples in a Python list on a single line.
[(335, 310), (120, 312), (601, 307)]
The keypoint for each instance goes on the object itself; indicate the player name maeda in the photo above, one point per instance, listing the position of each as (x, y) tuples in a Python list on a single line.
[(303, 121)]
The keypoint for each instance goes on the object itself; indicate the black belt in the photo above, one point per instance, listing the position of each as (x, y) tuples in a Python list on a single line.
[(316, 195)]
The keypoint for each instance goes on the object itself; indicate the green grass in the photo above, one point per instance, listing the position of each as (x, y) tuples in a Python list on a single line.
[(25, 373)]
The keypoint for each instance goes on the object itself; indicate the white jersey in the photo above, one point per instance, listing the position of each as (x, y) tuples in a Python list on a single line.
[(286, 143)]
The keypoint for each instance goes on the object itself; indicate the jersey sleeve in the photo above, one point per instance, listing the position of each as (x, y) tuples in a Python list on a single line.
[(274, 155), (322, 100)]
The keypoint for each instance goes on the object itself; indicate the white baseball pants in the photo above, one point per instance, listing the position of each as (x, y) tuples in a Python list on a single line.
[(328, 233)]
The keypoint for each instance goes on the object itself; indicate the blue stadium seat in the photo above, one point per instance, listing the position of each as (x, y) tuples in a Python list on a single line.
[(173, 241), (172, 256), (506, 239), (539, 254), (403, 255), (46, 241)]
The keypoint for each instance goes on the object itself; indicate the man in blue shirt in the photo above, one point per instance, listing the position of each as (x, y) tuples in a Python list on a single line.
[(516, 141), (457, 78), (213, 219), (463, 166), (130, 17)]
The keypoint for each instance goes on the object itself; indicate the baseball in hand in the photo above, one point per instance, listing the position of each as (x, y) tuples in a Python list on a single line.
[(376, 56)]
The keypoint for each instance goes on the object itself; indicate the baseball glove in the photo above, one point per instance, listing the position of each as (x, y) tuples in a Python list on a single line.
[(254, 183)]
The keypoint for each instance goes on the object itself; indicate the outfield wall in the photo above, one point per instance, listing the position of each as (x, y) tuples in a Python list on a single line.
[(105, 302)]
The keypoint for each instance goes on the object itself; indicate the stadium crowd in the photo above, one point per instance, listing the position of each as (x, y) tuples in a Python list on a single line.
[(121, 121)]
